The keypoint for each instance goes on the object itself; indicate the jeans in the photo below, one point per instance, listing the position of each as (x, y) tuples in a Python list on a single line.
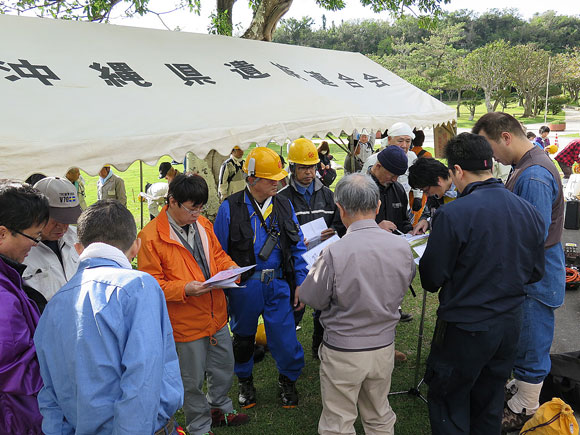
[(532, 363)]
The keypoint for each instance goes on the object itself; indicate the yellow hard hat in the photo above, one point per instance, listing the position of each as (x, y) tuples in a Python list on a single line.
[(303, 152), (552, 149), (236, 147), (262, 162), (261, 335)]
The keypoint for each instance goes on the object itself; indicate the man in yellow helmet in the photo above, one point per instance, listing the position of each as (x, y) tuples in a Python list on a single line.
[(255, 226), (311, 200)]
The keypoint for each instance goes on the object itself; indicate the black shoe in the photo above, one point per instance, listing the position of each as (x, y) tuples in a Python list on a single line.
[(247, 396), (405, 317), (288, 392), (511, 421), (259, 353)]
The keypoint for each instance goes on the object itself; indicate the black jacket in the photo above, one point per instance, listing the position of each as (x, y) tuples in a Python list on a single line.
[(321, 205), (483, 248), (394, 205)]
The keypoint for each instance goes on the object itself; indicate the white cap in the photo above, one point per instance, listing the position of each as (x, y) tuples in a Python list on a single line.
[(62, 197), (365, 132), (401, 129)]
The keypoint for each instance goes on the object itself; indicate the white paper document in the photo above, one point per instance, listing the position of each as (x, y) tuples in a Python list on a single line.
[(412, 239), (312, 255), (227, 278), (312, 230), (419, 250)]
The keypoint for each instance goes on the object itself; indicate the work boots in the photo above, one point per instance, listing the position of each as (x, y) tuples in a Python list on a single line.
[(288, 392), (247, 396)]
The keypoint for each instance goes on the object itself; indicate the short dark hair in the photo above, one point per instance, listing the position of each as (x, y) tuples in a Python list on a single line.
[(419, 138), (530, 135), (21, 206), (425, 171), (495, 123), (544, 129), (188, 187), (468, 147), (107, 221)]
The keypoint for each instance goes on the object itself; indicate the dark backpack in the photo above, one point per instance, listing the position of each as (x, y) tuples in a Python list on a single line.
[(563, 381)]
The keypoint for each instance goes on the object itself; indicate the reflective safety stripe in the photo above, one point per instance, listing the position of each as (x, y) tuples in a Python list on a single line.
[(298, 213)]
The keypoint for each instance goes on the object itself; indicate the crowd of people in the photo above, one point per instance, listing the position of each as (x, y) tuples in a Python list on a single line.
[(92, 345)]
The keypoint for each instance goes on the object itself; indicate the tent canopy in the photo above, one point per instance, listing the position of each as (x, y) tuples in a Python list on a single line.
[(85, 94)]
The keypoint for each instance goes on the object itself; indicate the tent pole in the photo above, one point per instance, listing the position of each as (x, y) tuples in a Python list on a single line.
[(141, 187)]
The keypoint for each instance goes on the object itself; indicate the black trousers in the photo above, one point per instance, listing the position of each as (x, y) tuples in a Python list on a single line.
[(467, 369)]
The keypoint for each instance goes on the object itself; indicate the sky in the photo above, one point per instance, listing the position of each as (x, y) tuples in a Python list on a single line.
[(354, 10)]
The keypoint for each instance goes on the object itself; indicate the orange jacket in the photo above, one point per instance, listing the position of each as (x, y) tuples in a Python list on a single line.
[(173, 266)]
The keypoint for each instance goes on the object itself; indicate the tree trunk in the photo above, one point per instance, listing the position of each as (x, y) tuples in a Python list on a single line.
[(224, 6), (472, 113), (488, 105), (528, 107), (458, 103), (266, 18), (495, 104)]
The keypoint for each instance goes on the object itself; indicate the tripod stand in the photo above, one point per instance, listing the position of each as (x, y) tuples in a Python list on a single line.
[(415, 390)]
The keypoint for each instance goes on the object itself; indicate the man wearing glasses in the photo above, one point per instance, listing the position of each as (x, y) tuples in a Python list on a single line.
[(23, 215), (311, 200), (181, 251), (54, 261)]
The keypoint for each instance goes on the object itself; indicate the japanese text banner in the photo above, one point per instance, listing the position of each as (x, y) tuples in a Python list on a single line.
[(85, 94)]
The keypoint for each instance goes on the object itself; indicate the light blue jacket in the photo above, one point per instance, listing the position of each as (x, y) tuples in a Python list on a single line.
[(107, 355)]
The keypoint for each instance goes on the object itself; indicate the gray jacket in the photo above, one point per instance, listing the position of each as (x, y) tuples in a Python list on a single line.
[(358, 283)]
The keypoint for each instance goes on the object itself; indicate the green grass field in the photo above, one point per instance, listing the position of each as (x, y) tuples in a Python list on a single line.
[(268, 417), (464, 122)]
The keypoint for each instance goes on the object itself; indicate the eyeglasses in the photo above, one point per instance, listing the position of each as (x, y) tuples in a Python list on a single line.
[(306, 168), (36, 240), (196, 210)]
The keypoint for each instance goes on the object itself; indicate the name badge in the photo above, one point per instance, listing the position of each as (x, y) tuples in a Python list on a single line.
[(396, 205), (111, 192)]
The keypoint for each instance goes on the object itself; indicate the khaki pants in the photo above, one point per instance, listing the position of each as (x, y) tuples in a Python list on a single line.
[(348, 379)]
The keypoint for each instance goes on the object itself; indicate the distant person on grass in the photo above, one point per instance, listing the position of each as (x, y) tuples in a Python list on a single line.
[(358, 284), (104, 341)]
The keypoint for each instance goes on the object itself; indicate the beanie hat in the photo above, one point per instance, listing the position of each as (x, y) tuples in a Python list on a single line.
[(393, 159)]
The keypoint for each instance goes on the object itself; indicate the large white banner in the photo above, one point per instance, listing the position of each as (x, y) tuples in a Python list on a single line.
[(85, 94)]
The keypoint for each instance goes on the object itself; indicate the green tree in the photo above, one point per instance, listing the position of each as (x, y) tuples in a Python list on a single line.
[(570, 68), (486, 68), (266, 13)]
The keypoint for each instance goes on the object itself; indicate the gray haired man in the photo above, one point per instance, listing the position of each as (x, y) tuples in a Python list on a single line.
[(359, 315)]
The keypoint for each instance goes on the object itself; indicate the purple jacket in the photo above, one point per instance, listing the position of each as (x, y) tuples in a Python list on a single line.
[(20, 378)]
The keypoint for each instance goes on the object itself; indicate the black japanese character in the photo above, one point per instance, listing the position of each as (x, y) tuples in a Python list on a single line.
[(189, 74), (350, 81), (121, 75), (287, 71), (320, 78), (40, 72), (246, 70), (375, 80)]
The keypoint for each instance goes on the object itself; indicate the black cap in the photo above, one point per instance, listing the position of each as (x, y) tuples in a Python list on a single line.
[(164, 169)]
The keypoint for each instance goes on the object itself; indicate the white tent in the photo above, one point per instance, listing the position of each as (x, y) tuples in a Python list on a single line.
[(83, 94)]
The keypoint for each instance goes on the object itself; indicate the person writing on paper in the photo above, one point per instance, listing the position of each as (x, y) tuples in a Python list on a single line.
[(432, 177), (392, 216), (256, 226), (181, 251), (311, 200), (480, 302), (358, 283)]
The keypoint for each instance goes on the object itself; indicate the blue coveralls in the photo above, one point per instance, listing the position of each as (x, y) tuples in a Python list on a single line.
[(271, 300)]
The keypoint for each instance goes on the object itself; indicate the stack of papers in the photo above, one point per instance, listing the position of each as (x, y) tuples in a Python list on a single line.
[(227, 278), (312, 254), (312, 230)]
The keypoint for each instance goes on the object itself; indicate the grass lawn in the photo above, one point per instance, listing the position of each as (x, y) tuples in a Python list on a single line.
[(268, 417), (464, 122)]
